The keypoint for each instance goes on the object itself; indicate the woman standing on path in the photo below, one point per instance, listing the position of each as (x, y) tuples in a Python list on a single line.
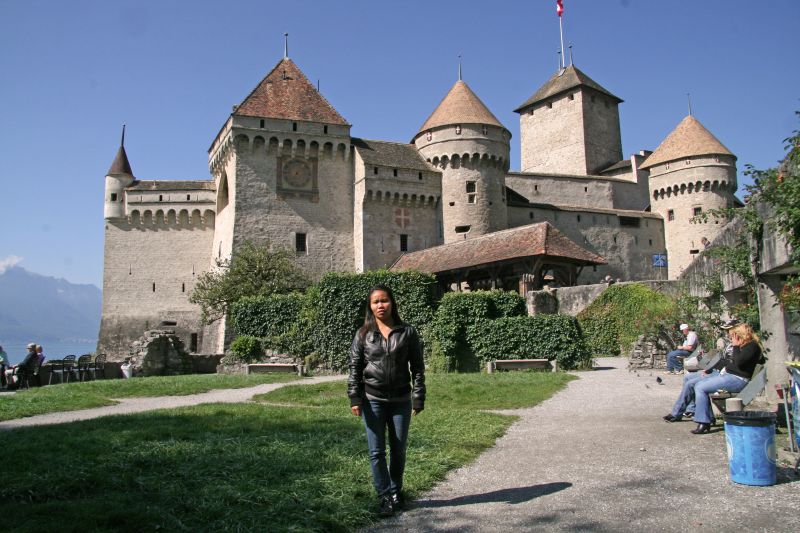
[(385, 357), (734, 376)]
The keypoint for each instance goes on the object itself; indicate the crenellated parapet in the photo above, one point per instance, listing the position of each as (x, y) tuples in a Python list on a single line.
[(695, 187), (177, 218), (474, 161), (401, 198)]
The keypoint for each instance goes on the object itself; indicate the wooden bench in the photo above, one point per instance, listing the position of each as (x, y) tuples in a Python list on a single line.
[(747, 394), (521, 364), (263, 368)]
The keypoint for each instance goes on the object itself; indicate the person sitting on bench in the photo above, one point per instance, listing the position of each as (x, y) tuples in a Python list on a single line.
[(684, 405), (676, 356), (733, 377)]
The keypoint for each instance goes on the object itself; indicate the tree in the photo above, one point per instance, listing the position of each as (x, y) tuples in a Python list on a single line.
[(252, 271)]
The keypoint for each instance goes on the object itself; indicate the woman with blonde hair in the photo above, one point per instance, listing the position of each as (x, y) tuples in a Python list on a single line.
[(733, 377)]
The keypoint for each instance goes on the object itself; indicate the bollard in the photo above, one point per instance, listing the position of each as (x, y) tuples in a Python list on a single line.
[(733, 404)]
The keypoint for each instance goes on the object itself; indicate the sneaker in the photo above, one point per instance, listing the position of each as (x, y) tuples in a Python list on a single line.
[(386, 507)]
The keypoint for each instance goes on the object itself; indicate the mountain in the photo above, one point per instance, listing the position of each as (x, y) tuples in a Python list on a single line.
[(33, 306)]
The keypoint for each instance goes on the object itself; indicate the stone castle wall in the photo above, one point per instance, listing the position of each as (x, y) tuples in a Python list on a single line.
[(584, 191), (150, 268)]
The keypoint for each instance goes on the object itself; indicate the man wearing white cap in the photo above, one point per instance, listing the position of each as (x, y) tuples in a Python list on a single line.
[(676, 356)]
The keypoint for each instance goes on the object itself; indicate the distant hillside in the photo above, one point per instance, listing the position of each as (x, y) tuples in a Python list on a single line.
[(40, 307)]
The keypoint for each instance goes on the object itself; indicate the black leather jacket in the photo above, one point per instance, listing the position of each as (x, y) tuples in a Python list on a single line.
[(385, 368)]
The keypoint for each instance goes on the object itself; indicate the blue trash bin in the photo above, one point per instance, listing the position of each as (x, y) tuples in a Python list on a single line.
[(750, 436)]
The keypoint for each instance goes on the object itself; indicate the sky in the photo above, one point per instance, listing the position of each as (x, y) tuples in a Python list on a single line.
[(74, 71)]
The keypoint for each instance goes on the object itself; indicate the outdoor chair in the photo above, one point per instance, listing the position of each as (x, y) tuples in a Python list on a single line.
[(84, 363), (25, 376), (62, 369), (98, 366)]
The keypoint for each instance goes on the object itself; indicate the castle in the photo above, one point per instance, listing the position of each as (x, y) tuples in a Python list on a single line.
[(286, 171)]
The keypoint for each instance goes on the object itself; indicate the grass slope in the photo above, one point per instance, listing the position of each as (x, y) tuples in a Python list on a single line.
[(88, 394), (245, 467)]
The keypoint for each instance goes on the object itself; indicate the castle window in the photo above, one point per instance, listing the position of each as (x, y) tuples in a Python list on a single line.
[(261, 124), (193, 343), (631, 222), (530, 112), (458, 130), (696, 211), (462, 229), (615, 239), (160, 197), (300, 242), (549, 105), (294, 126), (154, 287), (671, 215), (188, 197), (579, 218), (485, 129), (183, 287), (693, 252), (324, 129), (470, 187), (403, 242), (375, 170), (594, 268), (530, 215), (536, 188), (586, 189), (452, 204), (395, 173), (429, 136), (420, 175), (650, 242), (470, 198), (113, 197), (688, 161)]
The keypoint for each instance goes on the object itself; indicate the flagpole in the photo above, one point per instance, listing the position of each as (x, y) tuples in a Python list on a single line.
[(561, 29)]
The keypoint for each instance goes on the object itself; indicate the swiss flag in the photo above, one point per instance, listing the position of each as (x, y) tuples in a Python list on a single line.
[(560, 7)]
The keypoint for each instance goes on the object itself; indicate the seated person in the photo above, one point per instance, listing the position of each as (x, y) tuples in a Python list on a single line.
[(26, 366), (675, 357), (684, 406), (3, 364), (733, 377)]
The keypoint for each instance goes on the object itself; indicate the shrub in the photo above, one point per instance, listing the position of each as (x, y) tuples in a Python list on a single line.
[(335, 308), (541, 336), (622, 313), (245, 349), (457, 311)]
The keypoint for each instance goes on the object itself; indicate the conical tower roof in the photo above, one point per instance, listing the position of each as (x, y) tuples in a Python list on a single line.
[(460, 106), (286, 93), (689, 138), (120, 165), (562, 81)]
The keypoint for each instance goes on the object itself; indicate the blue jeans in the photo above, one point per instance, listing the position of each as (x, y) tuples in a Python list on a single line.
[(378, 417), (704, 387), (685, 402), (673, 363)]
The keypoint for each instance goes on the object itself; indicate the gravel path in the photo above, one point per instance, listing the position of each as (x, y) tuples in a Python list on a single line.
[(138, 405), (598, 457)]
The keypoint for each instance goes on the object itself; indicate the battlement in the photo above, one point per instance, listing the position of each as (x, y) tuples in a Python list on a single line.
[(177, 218), (287, 145), (470, 161), (715, 186)]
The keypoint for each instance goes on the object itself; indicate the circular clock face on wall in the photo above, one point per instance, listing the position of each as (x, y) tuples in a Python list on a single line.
[(297, 174)]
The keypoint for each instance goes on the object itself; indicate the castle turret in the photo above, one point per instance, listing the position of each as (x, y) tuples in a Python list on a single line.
[(570, 126), (690, 172), (470, 146), (118, 177)]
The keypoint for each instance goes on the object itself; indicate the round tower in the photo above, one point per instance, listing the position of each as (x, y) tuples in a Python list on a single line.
[(691, 172), (470, 146), (118, 177)]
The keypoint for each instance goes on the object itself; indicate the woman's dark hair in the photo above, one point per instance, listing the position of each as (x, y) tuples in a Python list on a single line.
[(369, 318)]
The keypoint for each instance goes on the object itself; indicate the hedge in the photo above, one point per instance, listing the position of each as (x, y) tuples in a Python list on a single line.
[(245, 349), (541, 336), (335, 308), (457, 311), (620, 314)]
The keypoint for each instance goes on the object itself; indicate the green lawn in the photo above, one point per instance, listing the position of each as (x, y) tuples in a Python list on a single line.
[(244, 467), (74, 396)]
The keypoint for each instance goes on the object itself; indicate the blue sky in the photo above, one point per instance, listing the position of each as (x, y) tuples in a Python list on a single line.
[(74, 72)]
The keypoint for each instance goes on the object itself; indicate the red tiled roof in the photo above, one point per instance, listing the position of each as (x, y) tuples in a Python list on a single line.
[(540, 239), (689, 138), (286, 93), (120, 165), (460, 106)]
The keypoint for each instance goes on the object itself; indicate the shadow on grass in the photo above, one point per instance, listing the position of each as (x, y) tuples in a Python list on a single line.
[(512, 496)]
